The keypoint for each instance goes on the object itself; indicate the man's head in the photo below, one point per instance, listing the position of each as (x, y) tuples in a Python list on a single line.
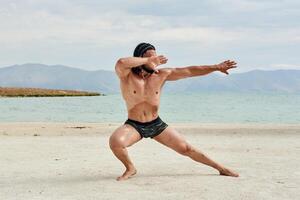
[(143, 50)]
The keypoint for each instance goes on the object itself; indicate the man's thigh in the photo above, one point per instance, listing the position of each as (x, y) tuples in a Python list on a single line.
[(124, 136), (171, 138)]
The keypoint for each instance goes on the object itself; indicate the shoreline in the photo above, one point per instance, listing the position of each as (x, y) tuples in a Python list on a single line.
[(72, 128), (177, 124), (9, 92)]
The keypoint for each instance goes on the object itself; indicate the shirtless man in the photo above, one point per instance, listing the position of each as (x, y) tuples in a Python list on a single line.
[(141, 83)]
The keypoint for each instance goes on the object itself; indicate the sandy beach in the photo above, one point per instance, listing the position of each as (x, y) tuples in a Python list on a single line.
[(73, 161)]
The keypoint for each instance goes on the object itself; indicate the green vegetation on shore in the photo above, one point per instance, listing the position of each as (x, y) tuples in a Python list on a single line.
[(39, 92)]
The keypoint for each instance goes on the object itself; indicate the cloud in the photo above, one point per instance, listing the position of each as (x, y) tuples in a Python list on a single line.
[(114, 26), (47, 30)]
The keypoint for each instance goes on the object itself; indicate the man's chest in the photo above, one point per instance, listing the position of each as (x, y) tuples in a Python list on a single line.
[(137, 90), (150, 86)]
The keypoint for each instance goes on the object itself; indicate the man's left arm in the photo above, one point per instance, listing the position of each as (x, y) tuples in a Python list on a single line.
[(190, 71)]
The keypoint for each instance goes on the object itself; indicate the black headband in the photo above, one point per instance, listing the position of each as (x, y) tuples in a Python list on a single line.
[(141, 48)]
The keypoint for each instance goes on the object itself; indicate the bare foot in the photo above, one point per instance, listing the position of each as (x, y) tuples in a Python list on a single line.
[(127, 174), (228, 172)]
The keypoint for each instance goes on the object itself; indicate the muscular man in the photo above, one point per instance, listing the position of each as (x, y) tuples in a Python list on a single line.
[(141, 83)]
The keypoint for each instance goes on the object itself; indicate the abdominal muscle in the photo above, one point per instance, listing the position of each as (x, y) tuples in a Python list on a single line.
[(143, 112)]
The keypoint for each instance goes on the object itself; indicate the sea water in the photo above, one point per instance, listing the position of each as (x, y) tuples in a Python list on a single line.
[(206, 107)]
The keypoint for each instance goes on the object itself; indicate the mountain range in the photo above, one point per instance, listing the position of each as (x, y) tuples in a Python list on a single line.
[(63, 77)]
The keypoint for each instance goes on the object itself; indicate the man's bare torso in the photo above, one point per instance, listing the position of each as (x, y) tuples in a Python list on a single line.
[(142, 95)]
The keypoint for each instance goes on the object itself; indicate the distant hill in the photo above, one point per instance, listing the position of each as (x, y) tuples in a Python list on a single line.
[(58, 77), (256, 80), (68, 78)]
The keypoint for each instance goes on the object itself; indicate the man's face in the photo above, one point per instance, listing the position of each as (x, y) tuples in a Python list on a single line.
[(149, 53)]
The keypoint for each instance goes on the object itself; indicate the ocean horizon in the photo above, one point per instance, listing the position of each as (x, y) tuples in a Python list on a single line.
[(206, 107)]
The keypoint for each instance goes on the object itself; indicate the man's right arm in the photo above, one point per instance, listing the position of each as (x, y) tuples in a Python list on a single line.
[(124, 65)]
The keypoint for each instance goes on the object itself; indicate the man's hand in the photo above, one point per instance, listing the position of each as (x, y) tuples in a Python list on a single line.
[(226, 65), (154, 61)]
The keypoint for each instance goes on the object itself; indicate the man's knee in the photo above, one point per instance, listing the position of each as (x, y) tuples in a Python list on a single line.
[(116, 142), (185, 149)]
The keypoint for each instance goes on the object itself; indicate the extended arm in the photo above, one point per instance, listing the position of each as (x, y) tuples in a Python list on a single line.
[(124, 65), (185, 72)]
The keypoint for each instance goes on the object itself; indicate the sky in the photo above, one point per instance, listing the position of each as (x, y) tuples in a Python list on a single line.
[(93, 34)]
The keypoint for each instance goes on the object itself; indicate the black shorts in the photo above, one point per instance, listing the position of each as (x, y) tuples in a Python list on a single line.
[(148, 129)]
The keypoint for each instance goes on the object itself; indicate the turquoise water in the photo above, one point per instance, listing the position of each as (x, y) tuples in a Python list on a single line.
[(201, 107)]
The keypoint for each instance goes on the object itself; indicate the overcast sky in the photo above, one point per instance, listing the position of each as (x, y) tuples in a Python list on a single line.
[(92, 34)]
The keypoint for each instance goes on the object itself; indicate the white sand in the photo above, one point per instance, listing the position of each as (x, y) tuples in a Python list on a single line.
[(63, 162)]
